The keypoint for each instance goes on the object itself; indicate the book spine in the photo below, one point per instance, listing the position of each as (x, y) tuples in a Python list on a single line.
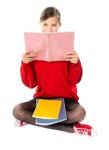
[(48, 48)]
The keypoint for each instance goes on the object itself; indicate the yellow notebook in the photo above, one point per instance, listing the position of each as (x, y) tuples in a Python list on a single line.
[(47, 108)]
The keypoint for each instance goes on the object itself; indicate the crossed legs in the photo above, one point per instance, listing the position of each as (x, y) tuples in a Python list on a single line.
[(75, 113)]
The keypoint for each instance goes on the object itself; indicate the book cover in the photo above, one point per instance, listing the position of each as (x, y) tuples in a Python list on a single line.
[(47, 108), (52, 46), (62, 117)]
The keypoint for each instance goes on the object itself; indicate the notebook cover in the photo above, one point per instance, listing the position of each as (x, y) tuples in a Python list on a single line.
[(46, 108)]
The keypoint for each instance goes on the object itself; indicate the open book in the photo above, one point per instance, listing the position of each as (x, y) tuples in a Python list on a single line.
[(52, 46), (45, 115)]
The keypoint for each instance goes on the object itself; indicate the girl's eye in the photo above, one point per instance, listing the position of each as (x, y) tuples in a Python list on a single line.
[(54, 25), (45, 24)]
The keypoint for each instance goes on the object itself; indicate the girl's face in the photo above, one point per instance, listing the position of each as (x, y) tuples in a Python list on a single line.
[(50, 25)]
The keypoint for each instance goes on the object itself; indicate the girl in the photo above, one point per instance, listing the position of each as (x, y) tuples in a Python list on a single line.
[(64, 77)]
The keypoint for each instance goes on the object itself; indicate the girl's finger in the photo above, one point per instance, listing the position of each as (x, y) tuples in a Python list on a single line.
[(72, 52)]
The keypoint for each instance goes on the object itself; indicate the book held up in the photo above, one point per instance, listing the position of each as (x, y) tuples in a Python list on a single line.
[(52, 46)]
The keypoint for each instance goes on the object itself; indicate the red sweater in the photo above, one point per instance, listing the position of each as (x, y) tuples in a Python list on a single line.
[(52, 79)]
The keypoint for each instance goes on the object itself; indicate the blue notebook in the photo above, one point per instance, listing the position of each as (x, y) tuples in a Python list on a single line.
[(62, 116)]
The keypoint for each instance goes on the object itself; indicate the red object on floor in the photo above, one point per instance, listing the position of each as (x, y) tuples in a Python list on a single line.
[(83, 129), (22, 123)]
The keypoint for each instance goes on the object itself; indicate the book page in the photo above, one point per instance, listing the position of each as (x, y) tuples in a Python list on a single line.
[(38, 44), (60, 44)]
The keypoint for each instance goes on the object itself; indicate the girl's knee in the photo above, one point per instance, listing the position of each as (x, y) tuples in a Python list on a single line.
[(81, 113), (16, 111)]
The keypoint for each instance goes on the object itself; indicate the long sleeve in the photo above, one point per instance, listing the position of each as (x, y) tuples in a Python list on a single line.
[(53, 79), (28, 75), (75, 72)]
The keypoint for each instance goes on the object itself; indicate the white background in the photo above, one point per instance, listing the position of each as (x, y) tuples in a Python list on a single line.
[(89, 20)]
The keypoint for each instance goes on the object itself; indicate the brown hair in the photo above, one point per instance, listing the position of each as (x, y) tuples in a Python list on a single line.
[(50, 12)]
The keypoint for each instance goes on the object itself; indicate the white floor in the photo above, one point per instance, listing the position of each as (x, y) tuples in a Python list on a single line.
[(30, 137)]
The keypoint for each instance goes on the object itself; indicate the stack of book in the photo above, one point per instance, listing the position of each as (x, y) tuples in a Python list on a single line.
[(49, 111)]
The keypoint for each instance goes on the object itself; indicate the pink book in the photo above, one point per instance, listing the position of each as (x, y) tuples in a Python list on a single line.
[(52, 46)]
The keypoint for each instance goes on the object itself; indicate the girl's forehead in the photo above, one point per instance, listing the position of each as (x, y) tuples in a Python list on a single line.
[(51, 20)]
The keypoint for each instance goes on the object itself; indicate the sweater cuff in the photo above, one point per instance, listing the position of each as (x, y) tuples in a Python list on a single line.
[(77, 64), (25, 64)]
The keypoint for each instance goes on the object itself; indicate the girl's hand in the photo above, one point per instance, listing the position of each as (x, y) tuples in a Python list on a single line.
[(28, 57), (72, 57)]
